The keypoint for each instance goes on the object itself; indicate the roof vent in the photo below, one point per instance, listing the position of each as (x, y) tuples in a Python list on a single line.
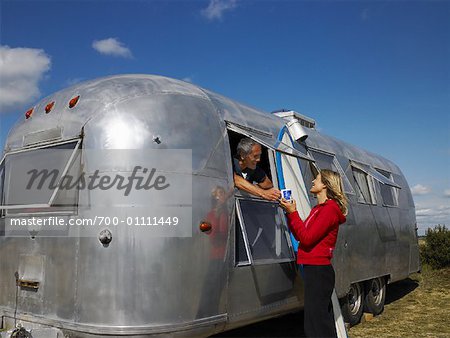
[(289, 115), (296, 123)]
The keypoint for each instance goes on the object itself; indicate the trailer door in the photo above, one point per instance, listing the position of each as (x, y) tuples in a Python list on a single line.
[(263, 279), (290, 176)]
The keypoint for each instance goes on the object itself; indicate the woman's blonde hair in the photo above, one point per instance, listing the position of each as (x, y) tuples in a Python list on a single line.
[(335, 188)]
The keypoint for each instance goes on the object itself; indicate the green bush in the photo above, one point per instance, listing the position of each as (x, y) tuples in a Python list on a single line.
[(436, 250)]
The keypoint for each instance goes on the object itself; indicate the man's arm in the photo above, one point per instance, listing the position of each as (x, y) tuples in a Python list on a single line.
[(266, 184), (270, 193)]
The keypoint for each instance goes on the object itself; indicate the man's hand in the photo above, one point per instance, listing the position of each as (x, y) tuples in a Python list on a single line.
[(271, 194)]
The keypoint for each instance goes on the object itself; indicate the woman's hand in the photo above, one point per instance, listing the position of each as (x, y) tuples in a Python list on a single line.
[(287, 206)]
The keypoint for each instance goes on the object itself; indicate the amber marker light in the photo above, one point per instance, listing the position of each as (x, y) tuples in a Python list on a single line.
[(74, 101), (49, 107), (205, 226), (28, 113)]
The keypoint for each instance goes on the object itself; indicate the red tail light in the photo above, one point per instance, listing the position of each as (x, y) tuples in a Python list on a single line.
[(28, 113), (49, 107), (205, 226), (74, 101)]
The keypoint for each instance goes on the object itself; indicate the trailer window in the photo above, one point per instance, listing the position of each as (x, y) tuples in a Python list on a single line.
[(310, 171), (264, 163), (389, 194), (364, 186), (265, 139), (241, 247), (2, 178), (329, 161), (264, 231), (33, 179)]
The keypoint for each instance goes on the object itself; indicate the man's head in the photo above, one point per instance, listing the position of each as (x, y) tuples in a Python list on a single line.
[(249, 153)]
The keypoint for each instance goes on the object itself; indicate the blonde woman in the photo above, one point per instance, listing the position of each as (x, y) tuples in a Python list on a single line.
[(317, 239)]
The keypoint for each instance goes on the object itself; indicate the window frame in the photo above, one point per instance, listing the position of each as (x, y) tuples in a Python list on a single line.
[(370, 184), (243, 230), (265, 139), (394, 191), (238, 215), (2, 183), (335, 162), (374, 173), (44, 208)]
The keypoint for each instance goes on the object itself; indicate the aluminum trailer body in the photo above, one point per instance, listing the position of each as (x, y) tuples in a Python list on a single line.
[(141, 285)]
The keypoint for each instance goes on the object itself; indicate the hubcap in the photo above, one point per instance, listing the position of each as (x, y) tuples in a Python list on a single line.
[(377, 291), (354, 299)]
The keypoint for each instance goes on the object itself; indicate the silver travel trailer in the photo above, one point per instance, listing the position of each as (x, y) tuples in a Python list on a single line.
[(232, 264)]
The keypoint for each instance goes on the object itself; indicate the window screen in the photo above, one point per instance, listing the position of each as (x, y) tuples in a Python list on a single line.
[(389, 194), (265, 231)]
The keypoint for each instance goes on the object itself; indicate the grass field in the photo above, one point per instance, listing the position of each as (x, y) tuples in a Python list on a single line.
[(416, 307)]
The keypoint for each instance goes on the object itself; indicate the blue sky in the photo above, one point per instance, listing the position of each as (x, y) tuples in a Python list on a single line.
[(372, 73)]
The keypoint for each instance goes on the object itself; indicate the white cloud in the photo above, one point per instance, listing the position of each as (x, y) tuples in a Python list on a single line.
[(420, 189), (424, 212), (112, 46), (432, 210), (20, 72), (216, 8), (429, 217), (447, 193), (187, 79)]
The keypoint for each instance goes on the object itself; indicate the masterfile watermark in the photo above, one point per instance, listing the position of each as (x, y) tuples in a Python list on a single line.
[(55, 221), (140, 178), (37, 221), (78, 192)]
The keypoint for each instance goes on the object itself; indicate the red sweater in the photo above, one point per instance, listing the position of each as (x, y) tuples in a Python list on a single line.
[(318, 234)]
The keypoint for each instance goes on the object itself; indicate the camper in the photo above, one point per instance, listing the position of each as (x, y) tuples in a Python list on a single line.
[(191, 255)]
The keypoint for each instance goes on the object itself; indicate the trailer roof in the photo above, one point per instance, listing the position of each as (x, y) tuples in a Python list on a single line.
[(97, 95)]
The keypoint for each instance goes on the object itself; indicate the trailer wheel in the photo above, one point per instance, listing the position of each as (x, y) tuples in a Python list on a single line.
[(375, 296), (352, 305)]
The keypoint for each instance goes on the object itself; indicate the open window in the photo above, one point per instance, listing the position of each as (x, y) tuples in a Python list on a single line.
[(364, 184), (35, 180), (389, 193), (261, 233), (266, 155), (265, 139), (269, 146), (328, 161), (309, 170)]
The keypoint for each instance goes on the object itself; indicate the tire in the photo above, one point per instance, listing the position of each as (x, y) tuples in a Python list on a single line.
[(352, 305), (375, 296)]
